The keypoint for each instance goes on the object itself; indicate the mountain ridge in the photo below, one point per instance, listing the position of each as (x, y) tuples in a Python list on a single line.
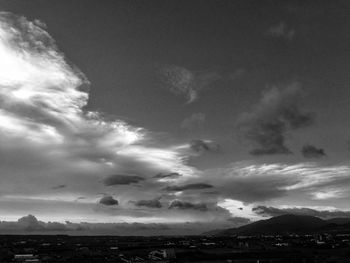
[(289, 223)]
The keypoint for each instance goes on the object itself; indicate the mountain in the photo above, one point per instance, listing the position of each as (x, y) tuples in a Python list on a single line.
[(339, 221), (288, 224)]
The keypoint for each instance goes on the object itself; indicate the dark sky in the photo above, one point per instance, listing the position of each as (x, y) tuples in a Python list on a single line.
[(249, 97)]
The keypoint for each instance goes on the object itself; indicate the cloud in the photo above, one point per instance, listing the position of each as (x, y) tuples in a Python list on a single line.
[(237, 74), (31, 225), (310, 151), (195, 121), (281, 30), (187, 83), (328, 193), (153, 203), (204, 146), (49, 137), (252, 182), (60, 186), (277, 112), (239, 220), (326, 214), (177, 204), (168, 175), (196, 186), (108, 200), (119, 179)]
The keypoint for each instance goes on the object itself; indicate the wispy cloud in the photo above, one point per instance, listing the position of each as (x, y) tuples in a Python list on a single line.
[(277, 112), (195, 121), (204, 146), (187, 83), (196, 186), (281, 30)]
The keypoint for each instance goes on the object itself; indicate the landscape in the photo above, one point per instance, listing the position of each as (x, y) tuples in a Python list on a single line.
[(285, 238), (174, 131)]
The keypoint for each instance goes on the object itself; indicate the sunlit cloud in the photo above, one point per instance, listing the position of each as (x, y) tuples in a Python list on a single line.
[(327, 194), (239, 209), (49, 138)]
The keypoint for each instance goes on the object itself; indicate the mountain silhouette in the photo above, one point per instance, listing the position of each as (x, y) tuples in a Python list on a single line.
[(288, 224)]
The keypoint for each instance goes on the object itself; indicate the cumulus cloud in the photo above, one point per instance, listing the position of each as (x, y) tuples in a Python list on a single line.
[(281, 30), (195, 186), (177, 204), (30, 224), (153, 203), (195, 121), (200, 146), (119, 179), (310, 151), (325, 214), (277, 112), (108, 200), (187, 83)]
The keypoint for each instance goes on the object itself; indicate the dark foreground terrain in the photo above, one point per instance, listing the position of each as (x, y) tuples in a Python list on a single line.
[(237, 248), (286, 238)]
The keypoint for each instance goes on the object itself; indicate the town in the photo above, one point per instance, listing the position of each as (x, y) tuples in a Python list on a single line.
[(202, 249)]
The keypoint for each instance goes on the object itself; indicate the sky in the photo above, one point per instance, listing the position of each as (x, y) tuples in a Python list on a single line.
[(162, 117)]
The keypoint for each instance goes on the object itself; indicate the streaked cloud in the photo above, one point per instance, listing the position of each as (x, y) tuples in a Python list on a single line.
[(196, 186), (167, 176), (118, 179)]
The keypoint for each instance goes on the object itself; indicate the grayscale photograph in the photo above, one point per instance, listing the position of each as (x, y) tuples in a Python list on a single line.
[(175, 131)]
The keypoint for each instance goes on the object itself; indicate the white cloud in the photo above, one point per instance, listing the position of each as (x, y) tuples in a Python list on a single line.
[(48, 139)]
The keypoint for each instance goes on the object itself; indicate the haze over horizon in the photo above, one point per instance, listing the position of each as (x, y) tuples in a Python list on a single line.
[(167, 116)]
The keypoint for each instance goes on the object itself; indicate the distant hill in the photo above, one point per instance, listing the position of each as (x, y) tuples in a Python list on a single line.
[(288, 224), (339, 221)]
